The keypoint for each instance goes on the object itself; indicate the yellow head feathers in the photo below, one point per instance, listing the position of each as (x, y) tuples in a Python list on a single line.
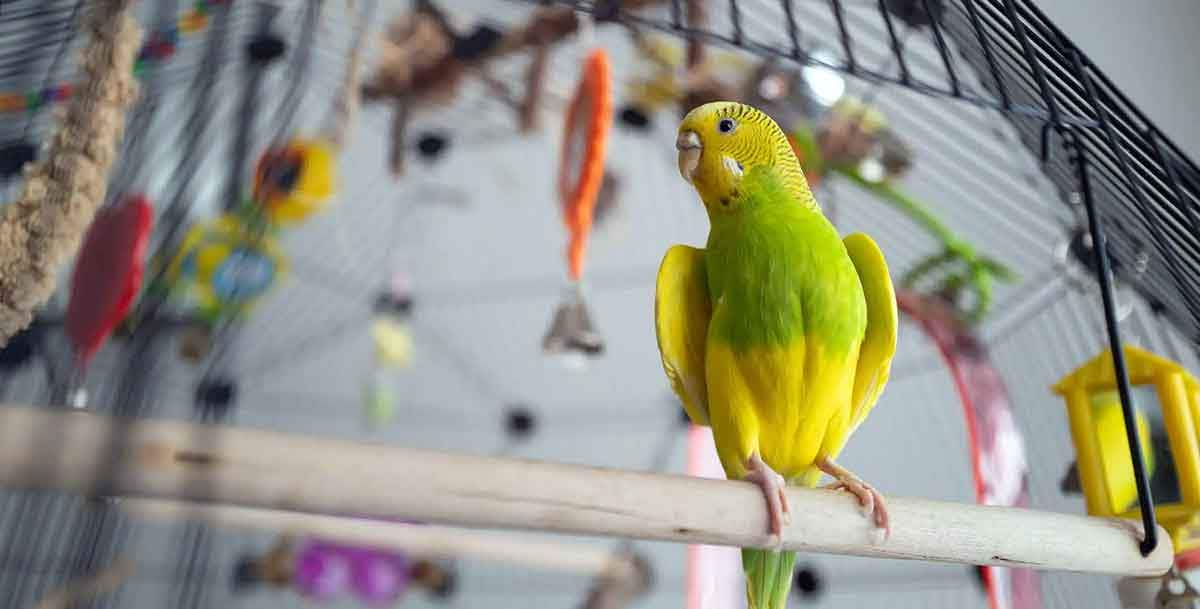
[(719, 142)]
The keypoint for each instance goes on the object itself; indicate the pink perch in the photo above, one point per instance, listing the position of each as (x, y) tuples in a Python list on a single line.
[(714, 573)]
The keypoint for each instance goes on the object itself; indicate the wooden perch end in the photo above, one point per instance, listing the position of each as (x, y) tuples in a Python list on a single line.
[(43, 448)]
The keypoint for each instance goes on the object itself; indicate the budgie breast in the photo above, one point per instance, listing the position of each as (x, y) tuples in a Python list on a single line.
[(783, 271), (788, 318)]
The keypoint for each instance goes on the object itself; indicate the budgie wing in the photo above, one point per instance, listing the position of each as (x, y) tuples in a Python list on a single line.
[(681, 314), (879, 343)]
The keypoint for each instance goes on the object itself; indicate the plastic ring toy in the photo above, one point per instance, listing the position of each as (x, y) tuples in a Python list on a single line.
[(581, 164)]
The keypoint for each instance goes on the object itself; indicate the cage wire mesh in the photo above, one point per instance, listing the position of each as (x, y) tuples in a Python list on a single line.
[(998, 107)]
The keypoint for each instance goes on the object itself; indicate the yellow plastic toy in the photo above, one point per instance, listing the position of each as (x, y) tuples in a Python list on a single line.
[(393, 343), (1163, 392), (224, 266), (1114, 448), (294, 181)]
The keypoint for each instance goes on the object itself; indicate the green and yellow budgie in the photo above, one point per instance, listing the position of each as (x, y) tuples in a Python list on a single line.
[(779, 334)]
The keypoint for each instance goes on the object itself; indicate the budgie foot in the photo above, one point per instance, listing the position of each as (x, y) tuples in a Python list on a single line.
[(772, 484), (870, 498)]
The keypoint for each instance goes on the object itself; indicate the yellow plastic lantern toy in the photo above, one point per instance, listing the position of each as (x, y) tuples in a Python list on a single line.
[(1167, 402), (295, 180)]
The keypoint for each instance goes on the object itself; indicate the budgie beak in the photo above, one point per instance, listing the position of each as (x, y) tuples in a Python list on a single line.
[(688, 145)]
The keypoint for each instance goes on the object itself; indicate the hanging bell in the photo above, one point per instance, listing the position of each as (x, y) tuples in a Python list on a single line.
[(571, 330)]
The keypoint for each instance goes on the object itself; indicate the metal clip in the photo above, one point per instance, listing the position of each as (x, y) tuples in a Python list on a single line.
[(1176, 592)]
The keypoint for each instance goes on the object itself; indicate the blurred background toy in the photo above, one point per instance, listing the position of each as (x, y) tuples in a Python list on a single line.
[(392, 347), (1166, 399), (326, 572), (580, 178), (105, 281)]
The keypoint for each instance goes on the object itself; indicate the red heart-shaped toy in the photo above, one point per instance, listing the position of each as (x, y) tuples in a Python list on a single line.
[(108, 273)]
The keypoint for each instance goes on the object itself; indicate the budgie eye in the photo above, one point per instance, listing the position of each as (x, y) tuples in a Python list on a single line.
[(726, 125)]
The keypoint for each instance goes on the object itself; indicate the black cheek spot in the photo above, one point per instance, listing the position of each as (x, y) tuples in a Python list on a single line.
[(724, 201)]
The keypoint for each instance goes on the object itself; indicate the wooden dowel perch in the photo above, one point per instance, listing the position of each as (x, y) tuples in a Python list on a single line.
[(425, 541), (42, 448)]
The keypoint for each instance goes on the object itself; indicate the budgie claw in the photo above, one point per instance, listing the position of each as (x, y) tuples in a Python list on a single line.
[(871, 500), (778, 512)]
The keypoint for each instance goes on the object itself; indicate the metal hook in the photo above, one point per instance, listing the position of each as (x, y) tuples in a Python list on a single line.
[(586, 31)]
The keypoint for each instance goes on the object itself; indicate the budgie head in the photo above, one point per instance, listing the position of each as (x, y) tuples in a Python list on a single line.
[(720, 142)]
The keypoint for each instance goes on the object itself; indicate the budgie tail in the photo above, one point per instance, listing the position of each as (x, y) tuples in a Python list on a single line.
[(768, 577)]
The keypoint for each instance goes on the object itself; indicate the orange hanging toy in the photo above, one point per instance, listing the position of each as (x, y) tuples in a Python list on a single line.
[(581, 165), (580, 176)]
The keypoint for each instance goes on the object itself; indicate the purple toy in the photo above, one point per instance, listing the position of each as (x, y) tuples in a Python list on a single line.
[(324, 571), (379, 577)]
